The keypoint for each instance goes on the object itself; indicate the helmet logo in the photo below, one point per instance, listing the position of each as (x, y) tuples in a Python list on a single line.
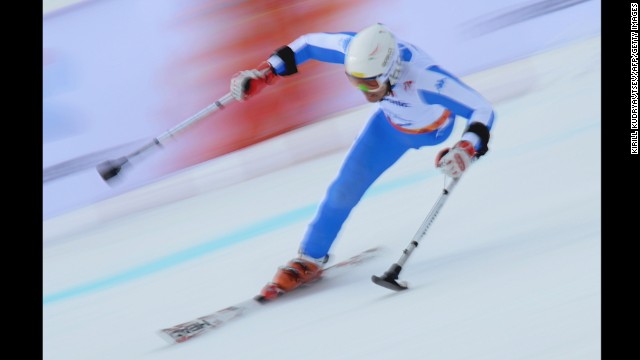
[(374, 52), (386, 59)]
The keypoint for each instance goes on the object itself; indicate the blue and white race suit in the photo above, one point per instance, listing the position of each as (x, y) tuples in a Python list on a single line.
[(419, 111)]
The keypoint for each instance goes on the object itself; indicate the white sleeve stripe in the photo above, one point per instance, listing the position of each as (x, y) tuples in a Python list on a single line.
[(322, 40)]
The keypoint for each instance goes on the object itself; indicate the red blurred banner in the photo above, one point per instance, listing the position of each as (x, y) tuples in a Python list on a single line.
[(238, 36)]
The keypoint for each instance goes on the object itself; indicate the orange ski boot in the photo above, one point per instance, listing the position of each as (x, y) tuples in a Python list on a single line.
[(299, 271)]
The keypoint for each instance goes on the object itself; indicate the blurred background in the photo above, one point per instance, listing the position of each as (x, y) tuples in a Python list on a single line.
[(117, 73)]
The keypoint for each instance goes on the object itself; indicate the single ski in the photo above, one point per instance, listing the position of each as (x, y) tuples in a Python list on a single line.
[(187, 330)]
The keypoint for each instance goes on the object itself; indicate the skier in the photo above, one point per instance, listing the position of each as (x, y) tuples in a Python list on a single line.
[(418, 103)]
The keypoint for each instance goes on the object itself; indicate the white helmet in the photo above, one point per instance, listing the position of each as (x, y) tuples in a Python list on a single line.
[(373, 54)]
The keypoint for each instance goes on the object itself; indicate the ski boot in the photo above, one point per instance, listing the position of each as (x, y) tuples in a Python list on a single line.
[(299, 271)]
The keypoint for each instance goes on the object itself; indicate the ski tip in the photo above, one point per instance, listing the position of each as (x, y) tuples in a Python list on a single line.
[(375, 250), (389, 283)]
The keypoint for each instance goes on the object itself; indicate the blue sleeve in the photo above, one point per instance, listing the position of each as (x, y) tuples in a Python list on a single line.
[(455, 95), (458, 97)]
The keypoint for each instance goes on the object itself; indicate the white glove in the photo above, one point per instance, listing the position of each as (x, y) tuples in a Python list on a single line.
[(247, 83), (453, 162)]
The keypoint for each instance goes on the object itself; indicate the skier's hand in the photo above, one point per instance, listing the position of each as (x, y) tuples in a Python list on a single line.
[(250, 82), (454, 161)]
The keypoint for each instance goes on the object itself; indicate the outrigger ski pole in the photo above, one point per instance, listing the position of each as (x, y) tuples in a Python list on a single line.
[(390, 278)]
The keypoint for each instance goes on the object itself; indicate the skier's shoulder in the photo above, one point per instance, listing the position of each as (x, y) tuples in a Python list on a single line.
[(412, 54)]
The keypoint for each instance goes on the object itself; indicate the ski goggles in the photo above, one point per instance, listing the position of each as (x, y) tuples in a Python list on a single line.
[(370, 84)]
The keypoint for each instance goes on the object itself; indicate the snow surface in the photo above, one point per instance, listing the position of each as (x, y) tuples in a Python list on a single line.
[(510, 269)]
